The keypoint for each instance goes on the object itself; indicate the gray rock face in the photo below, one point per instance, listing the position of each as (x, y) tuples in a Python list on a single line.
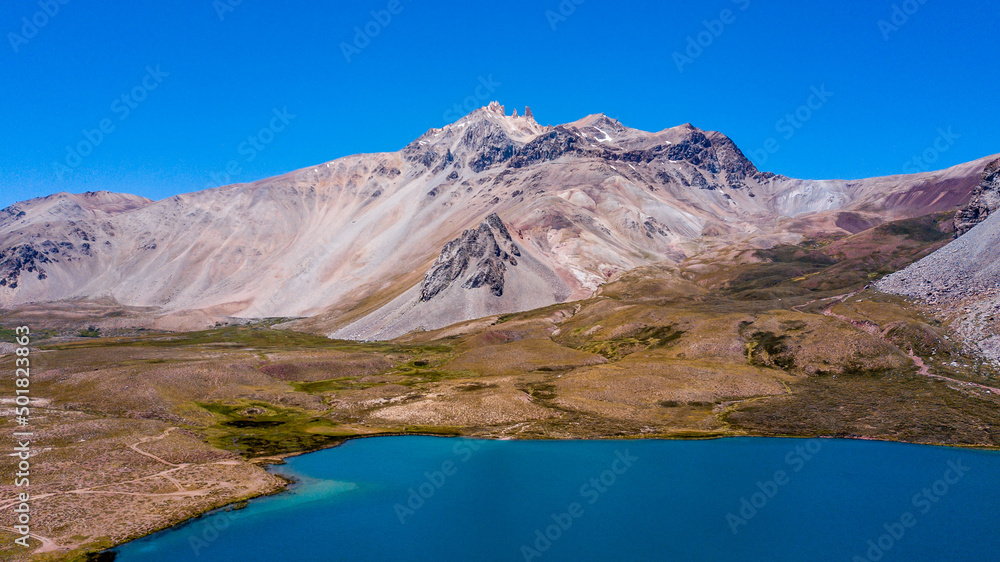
[(546, 147), (20, 260), (480, 257), (985, 200), (489, 145)]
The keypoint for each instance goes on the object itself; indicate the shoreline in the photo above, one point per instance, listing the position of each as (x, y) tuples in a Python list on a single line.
[(277, 460)]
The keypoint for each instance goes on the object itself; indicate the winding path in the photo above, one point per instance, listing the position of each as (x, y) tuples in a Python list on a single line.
[(49, 545)]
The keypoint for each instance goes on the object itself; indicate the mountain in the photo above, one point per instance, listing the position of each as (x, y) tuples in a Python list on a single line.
[(962, 280), (492, 214), (78, 218)]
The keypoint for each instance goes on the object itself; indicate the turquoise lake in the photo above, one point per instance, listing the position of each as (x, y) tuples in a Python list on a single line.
[(747, 499)]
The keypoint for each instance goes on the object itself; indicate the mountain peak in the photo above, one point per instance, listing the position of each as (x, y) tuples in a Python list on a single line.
[(491, 119), (598, 119), (496, 108)]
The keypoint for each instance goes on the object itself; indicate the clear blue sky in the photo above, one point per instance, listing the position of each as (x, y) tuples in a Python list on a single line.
[(893, 88)]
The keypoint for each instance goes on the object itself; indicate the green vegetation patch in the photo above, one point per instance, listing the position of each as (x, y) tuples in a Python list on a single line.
[(9, 335), (256, 429), (767, 349), (333, 385), (257, 337), (649, 337), (90, 332), (921, 229), (539, 390), (420, 376), (474, 386)]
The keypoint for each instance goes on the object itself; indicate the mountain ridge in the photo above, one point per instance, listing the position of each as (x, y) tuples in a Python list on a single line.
[(589, 200)]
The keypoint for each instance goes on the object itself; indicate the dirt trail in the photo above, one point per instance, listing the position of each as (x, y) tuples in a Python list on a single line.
[(925, 370), (144, 440), (877, 331), (49, 545), (798, 307)]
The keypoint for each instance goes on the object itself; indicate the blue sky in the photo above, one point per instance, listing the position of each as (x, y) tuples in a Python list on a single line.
[(217, 93)]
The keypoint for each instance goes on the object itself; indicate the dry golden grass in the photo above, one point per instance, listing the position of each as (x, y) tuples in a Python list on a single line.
[(488, 402), (651, 378), (521, 356)]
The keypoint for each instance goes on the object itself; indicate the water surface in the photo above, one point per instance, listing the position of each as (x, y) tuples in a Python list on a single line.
[(425, 498)]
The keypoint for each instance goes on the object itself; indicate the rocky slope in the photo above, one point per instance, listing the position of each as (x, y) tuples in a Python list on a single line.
[(356, 244), (481, 273), (962, 281)]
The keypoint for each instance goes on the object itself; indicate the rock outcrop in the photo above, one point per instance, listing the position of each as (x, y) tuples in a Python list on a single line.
[(479, 258), (20, 260), (985, 200)]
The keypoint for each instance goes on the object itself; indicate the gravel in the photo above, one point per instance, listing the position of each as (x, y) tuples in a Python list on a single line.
[(961, 280)]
